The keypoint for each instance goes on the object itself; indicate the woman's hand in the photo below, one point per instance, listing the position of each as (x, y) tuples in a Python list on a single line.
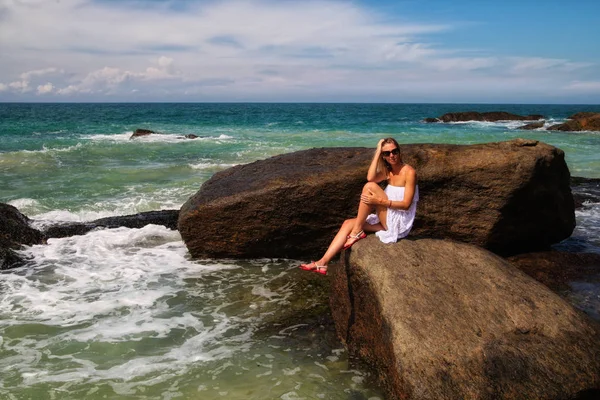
[(380, 145), (372, 200)]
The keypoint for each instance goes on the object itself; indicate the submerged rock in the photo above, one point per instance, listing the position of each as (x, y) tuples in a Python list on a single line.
[(582, 121), (167, 218), (585, 190), (445, 320), (141, 132), (509, 197), (533, 125), (491, 116), (14, 233)]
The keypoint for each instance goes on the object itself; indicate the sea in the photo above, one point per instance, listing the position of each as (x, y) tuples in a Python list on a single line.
[(128, 314)]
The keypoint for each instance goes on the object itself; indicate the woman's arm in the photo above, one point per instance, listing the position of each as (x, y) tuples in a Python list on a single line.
[(372, 174), (409, 192)]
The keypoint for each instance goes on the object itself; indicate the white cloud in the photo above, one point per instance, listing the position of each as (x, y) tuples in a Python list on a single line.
[(584, 86), (44, 89), (223, 48)]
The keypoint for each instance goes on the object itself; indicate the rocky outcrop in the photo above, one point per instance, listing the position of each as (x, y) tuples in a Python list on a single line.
[(141, 132), (14, 233), (491, 116), (582, 121), (509, 197), (147, 132), (167, 218), (532, 126), (445, 320), (557, 269)]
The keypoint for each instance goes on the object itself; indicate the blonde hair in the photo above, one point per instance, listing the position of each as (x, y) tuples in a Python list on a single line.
[(382, 164)]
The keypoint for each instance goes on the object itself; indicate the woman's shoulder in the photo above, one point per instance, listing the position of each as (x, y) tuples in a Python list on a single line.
[(409, 169)]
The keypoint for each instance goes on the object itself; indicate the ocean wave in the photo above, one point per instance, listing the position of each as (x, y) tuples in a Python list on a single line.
[(207, 165), (43, 150), (132, 202), (153, 138)]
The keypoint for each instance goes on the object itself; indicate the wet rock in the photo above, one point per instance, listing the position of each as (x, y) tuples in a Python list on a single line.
[(533, 125), (191, 136), (585, 190), (14, 233), (556, 269), (509, 197), (491, 116), (582, 121), (445, 320), (141, 132), (167, 218)]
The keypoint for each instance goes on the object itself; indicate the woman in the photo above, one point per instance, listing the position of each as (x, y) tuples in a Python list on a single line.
[(394, 208)]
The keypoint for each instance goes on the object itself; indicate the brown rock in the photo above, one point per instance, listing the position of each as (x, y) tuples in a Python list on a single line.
[(556, 269), (14, 233), (509, 197), (445, 320), (582, 121), (533, 125), (491, 116), (141, 132)]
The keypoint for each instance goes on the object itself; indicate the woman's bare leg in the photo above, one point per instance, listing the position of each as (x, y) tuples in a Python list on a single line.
[(337, 243), (364, 209), (355, 225)]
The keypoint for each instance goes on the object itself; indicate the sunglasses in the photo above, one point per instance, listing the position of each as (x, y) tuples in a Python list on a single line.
[(395, 152)]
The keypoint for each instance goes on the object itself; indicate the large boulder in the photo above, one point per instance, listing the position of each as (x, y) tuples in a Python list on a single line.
[(582, 121), (445, 320), (14, 233), (491, 116), (509, 197)]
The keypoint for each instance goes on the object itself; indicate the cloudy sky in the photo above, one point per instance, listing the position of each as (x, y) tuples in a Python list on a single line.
[(511, 51)]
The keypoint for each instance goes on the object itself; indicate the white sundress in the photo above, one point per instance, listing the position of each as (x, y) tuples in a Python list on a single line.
[(399, 222)]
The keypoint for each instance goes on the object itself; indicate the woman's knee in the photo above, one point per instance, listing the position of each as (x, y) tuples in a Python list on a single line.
[(370, 186), (348, 223)]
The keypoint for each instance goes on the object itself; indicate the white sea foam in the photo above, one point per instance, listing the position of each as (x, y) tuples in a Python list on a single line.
[(153, 138), (25, 205), (494, 124), (135, 202), (14, 156), (111, 286), (211, 165)]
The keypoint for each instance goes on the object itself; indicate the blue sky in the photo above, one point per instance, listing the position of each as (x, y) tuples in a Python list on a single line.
[(469, 51)]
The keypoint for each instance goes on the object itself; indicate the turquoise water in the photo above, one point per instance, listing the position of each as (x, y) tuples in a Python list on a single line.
[(125, 313)]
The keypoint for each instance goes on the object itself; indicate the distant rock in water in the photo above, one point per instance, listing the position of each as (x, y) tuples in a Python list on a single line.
[(582, 121), (491, 116), (14, 233), (533, 125), (437, 319), (167, 218), (509, 197), (147, 132), (141, 132)]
